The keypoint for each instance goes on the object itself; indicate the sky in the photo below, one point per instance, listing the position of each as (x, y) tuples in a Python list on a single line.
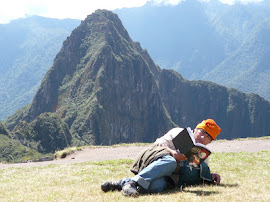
[(74, 9)]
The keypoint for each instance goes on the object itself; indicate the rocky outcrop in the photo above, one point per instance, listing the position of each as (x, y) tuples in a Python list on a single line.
[(3, 129)]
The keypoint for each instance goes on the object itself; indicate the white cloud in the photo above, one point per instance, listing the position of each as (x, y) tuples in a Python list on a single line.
[(232, 2), (79, 9), (167, 2), (76, 9), (12, 9)]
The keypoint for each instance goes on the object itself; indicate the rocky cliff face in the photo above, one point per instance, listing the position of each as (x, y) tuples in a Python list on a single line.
[(108, 90), (238, 114), (103, 85)]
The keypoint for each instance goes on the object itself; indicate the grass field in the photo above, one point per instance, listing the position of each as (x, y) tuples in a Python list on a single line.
[(245, 177)]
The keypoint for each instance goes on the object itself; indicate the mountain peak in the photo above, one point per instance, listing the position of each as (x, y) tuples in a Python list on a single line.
[(102, 84), (108, 24)]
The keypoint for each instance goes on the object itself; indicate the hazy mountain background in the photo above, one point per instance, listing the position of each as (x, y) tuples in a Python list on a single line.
[(27, 49), (226, 44), (104, 89)]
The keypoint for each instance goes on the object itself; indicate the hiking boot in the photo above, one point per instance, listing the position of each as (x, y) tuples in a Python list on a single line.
[(111, 186), (130, 189)]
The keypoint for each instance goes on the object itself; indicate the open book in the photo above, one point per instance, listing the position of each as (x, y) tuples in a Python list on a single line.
[(185, 143)]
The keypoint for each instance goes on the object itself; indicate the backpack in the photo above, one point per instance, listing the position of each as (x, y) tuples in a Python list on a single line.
[(189, 175)]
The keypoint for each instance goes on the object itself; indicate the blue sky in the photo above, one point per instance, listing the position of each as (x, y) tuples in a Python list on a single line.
[(75, 9)]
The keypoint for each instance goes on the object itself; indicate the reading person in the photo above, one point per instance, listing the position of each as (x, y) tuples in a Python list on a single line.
[(161, 166)]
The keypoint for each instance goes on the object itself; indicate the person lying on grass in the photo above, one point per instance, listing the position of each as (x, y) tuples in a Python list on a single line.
[(160, 167)]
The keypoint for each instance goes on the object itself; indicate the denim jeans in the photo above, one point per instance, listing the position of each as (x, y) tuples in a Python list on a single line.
[(152, 178)]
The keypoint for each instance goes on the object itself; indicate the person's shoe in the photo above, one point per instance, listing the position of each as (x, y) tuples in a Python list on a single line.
[(111, 186), (130, 189)]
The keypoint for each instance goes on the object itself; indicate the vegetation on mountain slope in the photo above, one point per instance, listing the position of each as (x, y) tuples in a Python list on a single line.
[(104, 89)]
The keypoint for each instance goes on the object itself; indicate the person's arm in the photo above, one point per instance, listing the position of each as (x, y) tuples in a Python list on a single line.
[(216, 178), (176, 155)]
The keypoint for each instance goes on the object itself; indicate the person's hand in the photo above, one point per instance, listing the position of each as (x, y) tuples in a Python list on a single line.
[(178, 156), (216, 178)]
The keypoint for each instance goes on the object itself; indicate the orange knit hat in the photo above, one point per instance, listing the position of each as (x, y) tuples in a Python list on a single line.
[(210, 127)]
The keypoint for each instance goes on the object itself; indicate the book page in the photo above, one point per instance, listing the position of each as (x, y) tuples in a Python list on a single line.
[(202, 145), (191, 135), (193, 139)]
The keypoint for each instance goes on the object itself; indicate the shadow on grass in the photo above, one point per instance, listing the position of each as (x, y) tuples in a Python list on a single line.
[(228, 185), (208, 193), (197, 192), (200, 192)]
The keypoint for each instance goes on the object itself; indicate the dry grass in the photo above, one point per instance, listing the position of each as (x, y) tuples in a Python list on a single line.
[(64, 153), (245, 177)]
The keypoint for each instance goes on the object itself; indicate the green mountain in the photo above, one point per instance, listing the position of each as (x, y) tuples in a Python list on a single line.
[(14, 149), (108, 90), (28, 47), (102, 85), (201, 39), (46, 133), (250, 61), (4, 130), (35, 140)]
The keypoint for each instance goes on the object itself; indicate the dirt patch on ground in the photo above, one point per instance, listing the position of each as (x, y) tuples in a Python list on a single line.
[(130, 152)]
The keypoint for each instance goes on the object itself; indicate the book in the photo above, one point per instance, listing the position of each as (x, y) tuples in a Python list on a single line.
[(185, 143)]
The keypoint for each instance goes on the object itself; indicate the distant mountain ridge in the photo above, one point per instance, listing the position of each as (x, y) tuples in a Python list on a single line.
[(197, 38), (28, 47), (251, 63), (108, 90)]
